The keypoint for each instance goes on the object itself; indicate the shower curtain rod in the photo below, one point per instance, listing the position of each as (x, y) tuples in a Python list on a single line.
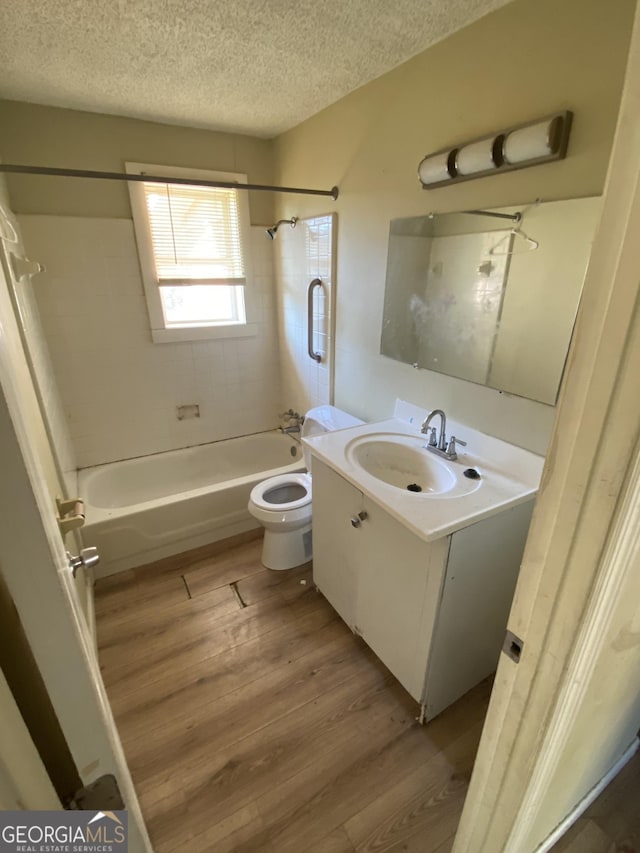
[(157, 179)]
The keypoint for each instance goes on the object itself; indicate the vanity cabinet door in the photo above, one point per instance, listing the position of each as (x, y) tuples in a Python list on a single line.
[(481, 576), (399, 584), (336, 555), (382, 579)]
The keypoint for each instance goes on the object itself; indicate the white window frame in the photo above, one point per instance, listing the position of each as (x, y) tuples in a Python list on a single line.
[(160, 333)]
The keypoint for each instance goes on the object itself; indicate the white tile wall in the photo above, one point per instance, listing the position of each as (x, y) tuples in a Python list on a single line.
[(53, 412), (120, 391), (302, 254)]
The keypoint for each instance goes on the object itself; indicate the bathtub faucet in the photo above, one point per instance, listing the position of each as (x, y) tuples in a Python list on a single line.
[(294, 421)]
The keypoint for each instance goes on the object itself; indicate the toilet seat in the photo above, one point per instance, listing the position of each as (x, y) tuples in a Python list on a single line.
[(281, 480), (287, 523)]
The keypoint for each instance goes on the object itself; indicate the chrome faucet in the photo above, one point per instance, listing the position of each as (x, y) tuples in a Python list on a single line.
[(440, 445)]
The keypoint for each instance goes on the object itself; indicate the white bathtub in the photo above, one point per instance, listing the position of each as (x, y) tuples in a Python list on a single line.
[(141, 510)]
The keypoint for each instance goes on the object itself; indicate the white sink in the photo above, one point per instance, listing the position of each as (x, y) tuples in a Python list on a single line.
[(383, 459), (402, 461)]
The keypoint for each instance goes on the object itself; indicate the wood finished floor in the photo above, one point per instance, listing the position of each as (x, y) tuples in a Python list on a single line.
[(253, 720)]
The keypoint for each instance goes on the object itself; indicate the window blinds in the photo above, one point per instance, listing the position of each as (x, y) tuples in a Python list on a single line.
[(195, 234)]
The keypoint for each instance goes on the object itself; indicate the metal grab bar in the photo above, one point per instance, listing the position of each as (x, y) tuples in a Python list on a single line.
[(314, 355)]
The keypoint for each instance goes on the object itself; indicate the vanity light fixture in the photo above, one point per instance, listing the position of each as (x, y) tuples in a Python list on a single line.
[(539, 141), (475, 157)]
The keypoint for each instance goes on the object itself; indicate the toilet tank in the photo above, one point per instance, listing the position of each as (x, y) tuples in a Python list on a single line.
[(325, 419)]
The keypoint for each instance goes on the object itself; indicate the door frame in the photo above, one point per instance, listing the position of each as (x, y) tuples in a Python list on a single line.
[(35, 567), (584, 535), (24, 782), (28, 325)]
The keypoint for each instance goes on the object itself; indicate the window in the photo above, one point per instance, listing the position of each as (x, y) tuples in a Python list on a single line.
[(191, 242)]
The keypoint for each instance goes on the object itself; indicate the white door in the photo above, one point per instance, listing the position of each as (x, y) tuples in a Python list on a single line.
[(35, 567), (336, 547), (15, 276), (394, 617), (563, 716)]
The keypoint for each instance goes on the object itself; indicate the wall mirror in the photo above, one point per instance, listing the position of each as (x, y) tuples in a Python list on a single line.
[(488, 298)]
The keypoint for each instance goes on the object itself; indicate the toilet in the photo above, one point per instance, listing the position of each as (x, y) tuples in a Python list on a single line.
[(282, 504)]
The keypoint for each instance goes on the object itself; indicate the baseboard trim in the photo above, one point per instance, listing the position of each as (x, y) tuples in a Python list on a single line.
[(586, 801)]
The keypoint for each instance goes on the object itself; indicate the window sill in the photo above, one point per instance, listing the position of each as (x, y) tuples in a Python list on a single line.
[(204, 333)]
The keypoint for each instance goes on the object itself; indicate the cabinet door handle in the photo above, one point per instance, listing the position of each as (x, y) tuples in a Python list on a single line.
[(357, 520)]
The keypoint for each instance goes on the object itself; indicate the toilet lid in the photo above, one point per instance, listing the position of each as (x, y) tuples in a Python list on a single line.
[(272, 494)]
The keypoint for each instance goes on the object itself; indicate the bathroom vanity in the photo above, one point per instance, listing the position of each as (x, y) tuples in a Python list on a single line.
[(425, 578)]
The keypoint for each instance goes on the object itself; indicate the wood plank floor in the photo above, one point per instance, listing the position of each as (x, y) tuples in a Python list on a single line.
[(253, 720)]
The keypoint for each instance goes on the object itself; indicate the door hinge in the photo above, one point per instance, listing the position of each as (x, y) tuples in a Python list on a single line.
[(70, 514)]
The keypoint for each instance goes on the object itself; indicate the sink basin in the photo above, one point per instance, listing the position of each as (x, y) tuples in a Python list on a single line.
[(387, 460), (403, 462)]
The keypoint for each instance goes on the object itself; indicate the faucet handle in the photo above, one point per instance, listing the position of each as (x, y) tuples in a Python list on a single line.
[(433, 442), (290, 415), (451, 446)]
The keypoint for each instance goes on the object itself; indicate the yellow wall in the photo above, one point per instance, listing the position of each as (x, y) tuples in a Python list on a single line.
[(48, 136), (528, 59)]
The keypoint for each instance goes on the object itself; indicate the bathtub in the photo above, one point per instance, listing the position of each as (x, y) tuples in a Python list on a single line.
[(144, 509)]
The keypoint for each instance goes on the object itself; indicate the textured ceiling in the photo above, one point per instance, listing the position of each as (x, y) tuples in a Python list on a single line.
[(248, 66)]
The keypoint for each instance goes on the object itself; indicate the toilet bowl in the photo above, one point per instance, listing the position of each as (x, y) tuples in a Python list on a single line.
[(282, 504)]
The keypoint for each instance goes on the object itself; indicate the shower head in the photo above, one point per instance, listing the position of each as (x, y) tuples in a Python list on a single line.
[(271, 232)]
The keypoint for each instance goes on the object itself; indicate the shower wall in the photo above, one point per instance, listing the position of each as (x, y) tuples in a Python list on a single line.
[(302, 254), (120, 391)]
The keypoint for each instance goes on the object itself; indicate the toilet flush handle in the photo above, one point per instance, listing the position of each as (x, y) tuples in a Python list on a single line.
[(357, 520)]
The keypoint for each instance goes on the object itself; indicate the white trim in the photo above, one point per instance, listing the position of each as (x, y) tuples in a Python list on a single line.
[(35, 567), (584, 804), (620, 559), (197, 333), (160, 333), (36, 571)]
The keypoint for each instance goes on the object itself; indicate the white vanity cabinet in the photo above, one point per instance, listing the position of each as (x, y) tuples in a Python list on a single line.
[(435, 612)]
